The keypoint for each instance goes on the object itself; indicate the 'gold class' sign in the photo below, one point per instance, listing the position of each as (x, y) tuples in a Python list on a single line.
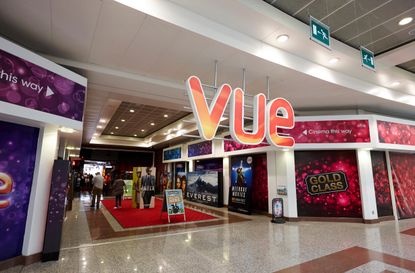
[(266, 120), (326, 183)]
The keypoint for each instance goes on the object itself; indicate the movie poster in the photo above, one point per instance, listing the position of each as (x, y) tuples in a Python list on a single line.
[(327, 184), (403, 170), (241, 184), (205, 187), (180, 177), (166, 180), (135, 195), (18, 146), (381, 181)]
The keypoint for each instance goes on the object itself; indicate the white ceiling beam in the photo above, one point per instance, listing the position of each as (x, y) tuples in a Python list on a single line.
[(399, 55)]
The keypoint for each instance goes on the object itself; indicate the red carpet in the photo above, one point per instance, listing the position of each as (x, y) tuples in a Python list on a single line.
[(128, 217)]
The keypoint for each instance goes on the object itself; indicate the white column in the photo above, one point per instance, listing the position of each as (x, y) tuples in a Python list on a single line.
[(272, 178), (226, 180), (39, 196), (286, 177), (191, 165), (367, 185)]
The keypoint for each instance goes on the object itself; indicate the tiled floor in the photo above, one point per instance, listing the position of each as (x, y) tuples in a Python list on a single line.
[(234, 246)]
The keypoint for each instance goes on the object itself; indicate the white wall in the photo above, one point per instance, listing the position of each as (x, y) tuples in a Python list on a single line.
[(272, 178), (367, 185), (226, 180), (39, 196), (285, 167)]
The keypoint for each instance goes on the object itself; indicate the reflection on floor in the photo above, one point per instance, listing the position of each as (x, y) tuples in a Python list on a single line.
[(236, 244)]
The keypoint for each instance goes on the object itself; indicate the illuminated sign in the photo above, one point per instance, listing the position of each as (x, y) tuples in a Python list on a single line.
[(266, 120), (326, 183)]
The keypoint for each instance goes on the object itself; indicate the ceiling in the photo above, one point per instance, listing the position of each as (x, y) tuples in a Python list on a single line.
[(369, 23), (140, 120), (134, 58), (410, 66)]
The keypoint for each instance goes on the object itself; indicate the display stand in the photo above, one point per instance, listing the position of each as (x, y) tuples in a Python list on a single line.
[(278, 211), (173, 203), (56, 211)]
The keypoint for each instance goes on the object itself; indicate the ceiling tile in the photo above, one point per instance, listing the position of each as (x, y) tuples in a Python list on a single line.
[(154, 37), (27, 24), (122, 23), (73, 27)]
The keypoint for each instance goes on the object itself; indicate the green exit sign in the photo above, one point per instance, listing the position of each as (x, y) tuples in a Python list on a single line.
[(368, 58), (319, 32)]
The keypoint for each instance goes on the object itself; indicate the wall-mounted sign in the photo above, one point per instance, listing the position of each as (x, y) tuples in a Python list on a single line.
[(281, 190), (322, 165), (171, 154), (367, 58), (326, 183), (396, 133), (200, 148), (319, 32), (265, 118), (205, 187), (32, 86), (241, 184), (230, 145), (17, 162), (330, 131)]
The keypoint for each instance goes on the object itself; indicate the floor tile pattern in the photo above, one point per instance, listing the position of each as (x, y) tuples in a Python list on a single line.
[(256, 245)]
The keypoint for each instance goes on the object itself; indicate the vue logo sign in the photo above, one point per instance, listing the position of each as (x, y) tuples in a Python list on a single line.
[(265, 118)]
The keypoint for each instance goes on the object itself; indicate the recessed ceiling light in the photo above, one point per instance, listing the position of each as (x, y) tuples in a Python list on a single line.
[(123, 120), (99, 127), (405, 21), (112, 133), (132, 111), (334, 60), (135, 135), (116, 127), (102, 120), (396, 83), (142, 130), (166, 116), (283, 38), (152, 124)]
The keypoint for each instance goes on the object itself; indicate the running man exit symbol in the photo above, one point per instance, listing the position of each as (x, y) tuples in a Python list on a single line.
[(368, 58), (319, 32)]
